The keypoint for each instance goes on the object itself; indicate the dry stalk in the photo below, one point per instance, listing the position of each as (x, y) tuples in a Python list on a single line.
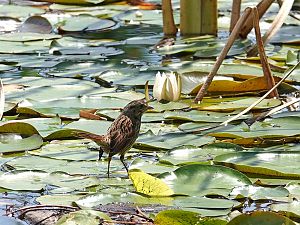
[(275, 26), (263, 58), (235, 13), (223, 54), (225, 123), (169, 27)]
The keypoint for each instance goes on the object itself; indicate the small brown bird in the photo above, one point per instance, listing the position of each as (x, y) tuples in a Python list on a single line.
[(122, 133)]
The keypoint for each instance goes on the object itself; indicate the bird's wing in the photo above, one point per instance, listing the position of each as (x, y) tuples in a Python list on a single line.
[(122, 135)]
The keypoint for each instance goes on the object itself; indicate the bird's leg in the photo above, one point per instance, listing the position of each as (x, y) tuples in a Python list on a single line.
[(122, 160), (100, 153), (109, 159)]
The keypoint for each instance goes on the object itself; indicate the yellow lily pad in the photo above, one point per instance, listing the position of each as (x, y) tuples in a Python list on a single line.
[(149, 185)]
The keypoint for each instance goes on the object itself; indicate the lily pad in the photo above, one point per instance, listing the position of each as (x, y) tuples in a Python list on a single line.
[(70, 167), (180, 217), (291, 210), (189, 154), (61, 199), (258, 193), (36, 24), (275, 164), (149, 185), (263, 218), (17, 11), (12, 47), (20, 144), (200, 180), (171, 140), (67, 150), (37, 180), (86, 23), (27, 36), (18, 128), (83, 217)]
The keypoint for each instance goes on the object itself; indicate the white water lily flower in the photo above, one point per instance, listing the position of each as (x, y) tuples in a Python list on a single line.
[(167, 86)]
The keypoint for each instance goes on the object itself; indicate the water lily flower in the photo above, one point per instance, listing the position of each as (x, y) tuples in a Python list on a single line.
[(167, 86)]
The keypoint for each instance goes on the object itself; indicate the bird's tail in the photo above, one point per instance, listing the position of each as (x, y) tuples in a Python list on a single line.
[(100, 139)]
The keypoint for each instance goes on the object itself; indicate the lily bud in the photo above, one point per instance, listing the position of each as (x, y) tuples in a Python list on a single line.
[(167, 86)]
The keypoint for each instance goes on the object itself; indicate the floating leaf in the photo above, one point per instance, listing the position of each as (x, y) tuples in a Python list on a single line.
[(61, 199), (180, 217), (176, 217), (21, 144), (239, 104), (263, 218), (189, 154), (67, 150), (201, 180), (17, 11), (82, 217), (275, 164), (70, 167), (86, 23), (36, 24), (25, 37), (149, 185), (228, 87), (172, 140), (290, 210), (258, 193), (37, 180), (18, 128)]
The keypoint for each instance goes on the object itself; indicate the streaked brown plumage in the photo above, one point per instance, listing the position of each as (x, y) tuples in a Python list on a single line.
[(122, 133)]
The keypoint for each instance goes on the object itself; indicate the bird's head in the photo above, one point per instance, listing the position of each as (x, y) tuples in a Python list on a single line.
[(137, 107)]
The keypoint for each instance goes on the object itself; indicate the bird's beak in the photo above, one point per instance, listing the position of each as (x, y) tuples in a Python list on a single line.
[(149, 107)]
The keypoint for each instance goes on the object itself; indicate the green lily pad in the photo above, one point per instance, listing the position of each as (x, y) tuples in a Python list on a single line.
[(291, 210), (171, 140), (86, 23), (200, 180), (21, 144), (70, 167), (12, 47), (159, 107), (69, 107), (241, 71), (61, 199), (17, 11), (190, 154), (239, 104), (83, 217), (263, 218), (275, 164), (67, 150), (100, 198), (199, 116), (294, 188), (24, 37), (37, 180), (151, 167), (257, 193), (269, 129), (180, 217), (18, 128)]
